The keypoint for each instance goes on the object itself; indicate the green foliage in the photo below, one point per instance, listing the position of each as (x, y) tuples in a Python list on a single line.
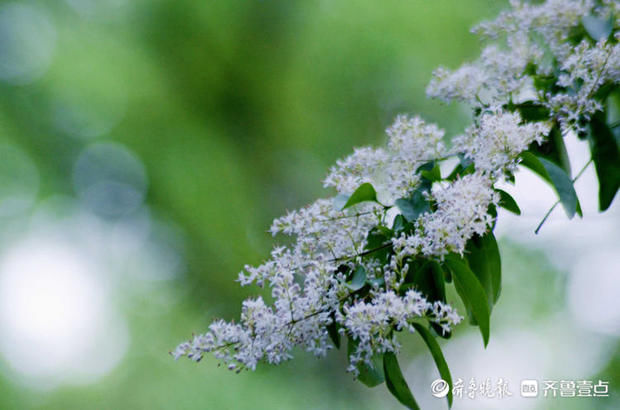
[(440, 361), (472, 293), (332, 330), (484, 261), (553, 149), (396, 383), (365, 192), (598, 28), (507, 202), (414, 206), (606, 159), (359, 279)]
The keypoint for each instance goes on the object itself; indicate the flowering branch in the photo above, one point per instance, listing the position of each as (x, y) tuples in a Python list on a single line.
[(559, 75)]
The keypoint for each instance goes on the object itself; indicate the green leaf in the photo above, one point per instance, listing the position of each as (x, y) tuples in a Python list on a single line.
[(401, 224), (375, 240), (531, 111), (371, 375), (413, 206), (359, 279), (553, 149), (473, 294), (364, 193), (485, 262), (429, 280), (507, 202), (332, 330), (531, 161), (606, 159), (464, 167), (563, 186), (558, 179), (440, 361), (430, 171), (396, 383), (597, 27)]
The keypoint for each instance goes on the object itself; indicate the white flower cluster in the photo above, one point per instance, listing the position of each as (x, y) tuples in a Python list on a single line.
[(538, 34), (411, 143), (462, 211), (584, 71), (496, 141), (372, 324), (312, 280)]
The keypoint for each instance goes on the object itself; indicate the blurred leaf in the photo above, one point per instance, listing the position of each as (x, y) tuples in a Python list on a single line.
[(396, 383), (472, 293), (440, 361), (531, 111), (376, 240), (401, 224), (365, 192), (430, 171), (332, 330), (507, 202), (413, 206), (606, 160), (464, 167), (359, 279), (597, 27)]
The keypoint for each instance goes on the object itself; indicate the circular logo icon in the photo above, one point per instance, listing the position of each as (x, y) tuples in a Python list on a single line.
[(440, 388)]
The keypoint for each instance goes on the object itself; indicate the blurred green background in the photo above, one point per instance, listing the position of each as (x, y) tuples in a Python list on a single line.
[(156, 140)]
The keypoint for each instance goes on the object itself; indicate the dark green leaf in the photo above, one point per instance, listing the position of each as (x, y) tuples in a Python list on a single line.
[(396, 383), (529, 160), (485, 262), (364, 193), (402, 225), (440, 361), (576, 34), (464, 167), (597, 27), (428, 279), (556, 177), (507, 202), (376, 240), (332, 329), (432, 174), (413, 206), (531, 111), (471, 291), (427, 166), (371, 375), (359, 279), (553, 149), (606, 160)]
